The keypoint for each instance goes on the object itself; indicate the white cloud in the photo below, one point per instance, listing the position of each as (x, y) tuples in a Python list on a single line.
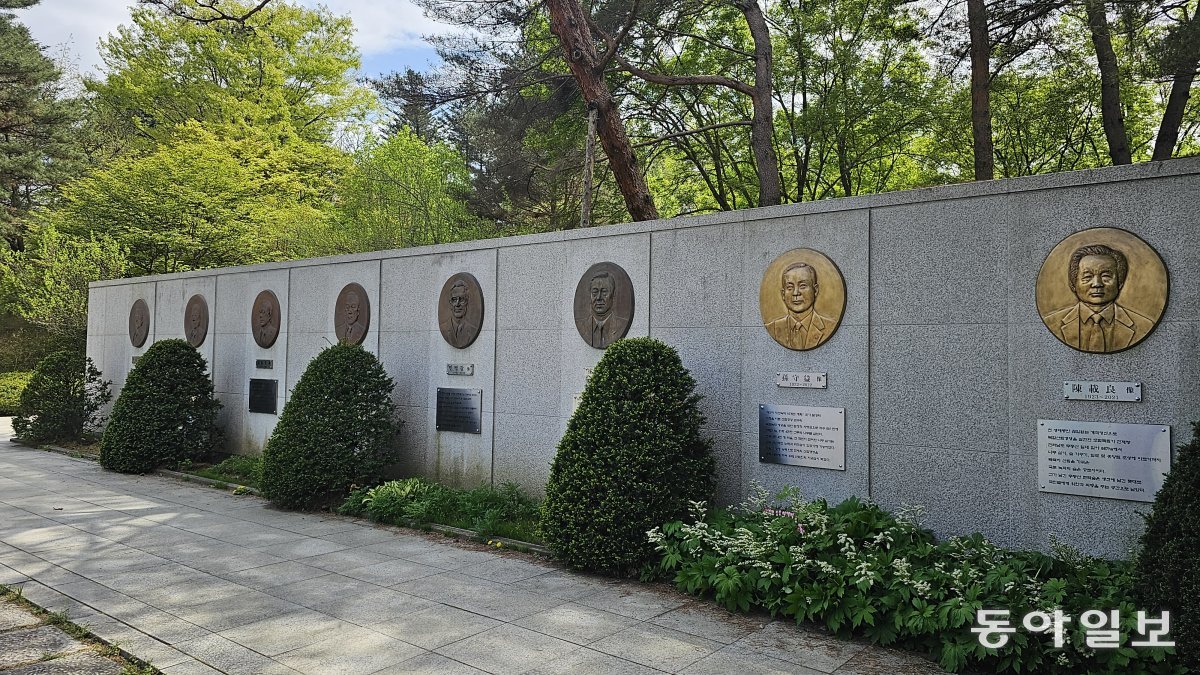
[(382, 27)]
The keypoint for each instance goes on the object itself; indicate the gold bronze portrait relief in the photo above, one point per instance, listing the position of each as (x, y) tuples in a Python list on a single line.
[(1102, 290), (139, 323), (195, 320), (802, 299), (603, 304), (265, 319), (352, 315), (460, 310)]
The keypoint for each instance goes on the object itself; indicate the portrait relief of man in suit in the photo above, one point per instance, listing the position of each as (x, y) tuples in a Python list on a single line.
[(139, 323), (603, 304), (803, 327), (195, 322), (265, 319), (1098, 322), (461, 310), (353, 315)]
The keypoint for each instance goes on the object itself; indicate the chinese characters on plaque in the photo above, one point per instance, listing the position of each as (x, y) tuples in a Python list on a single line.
[(1102, 391), (802, 380), (1100, 459), (802, 436)]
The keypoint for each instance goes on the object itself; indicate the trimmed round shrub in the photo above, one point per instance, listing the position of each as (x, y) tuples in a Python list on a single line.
[(11, 386), (62, 400), (335, 432), (165, 414), (631, 460), (1168, 563)]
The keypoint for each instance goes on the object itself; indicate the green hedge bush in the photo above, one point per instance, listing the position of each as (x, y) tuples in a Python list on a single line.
[(165, 414), (632, 458), (335, 432), (1168, 564), (62, 400), (11, 386), (862, 571)]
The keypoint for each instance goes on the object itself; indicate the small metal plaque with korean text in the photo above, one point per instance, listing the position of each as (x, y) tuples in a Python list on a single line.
[(264, 364), (460, 368), (1102, 391), (802, 380), (802, 436), (459, 410), (1103, 459), (263, 395)]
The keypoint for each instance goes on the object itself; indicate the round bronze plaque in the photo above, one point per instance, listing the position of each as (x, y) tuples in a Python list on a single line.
[(265, 319), (802, 299), (195, 320), (603, 304), (1102, 290), (352, 314), (139, 323), (460, 310)]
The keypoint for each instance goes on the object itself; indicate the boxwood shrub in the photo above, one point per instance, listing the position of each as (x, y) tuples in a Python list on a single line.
[(62, 400), (336, 431), (11, 386), (1168, 563), (631, 459), (165, 414)]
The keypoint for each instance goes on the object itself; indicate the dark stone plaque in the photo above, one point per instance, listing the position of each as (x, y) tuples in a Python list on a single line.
[(264, 364), (460, 310), (603, 304), (195, 320), (265, 318), (263, 394), (352, 314), (139, 323), (459, 410)]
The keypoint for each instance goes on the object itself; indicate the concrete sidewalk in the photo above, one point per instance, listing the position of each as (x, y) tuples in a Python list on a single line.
[(196, 580)]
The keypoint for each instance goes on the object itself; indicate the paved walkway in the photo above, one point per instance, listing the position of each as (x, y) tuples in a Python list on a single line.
[(30, 646), (196, 580)]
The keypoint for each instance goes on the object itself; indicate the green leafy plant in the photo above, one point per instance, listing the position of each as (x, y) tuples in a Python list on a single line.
[(489, 511), (11, 386), (860, 570), (63, 399), (335, 432), (166, 412), (1168, 563), (242, 469), (631, 459)]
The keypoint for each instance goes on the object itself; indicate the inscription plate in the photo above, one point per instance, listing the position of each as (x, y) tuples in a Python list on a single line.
[(1101, 459), (264, 364), (802, 380), (802, 436), (460, 368), (1102, 391), (459, 410), (263, 394)]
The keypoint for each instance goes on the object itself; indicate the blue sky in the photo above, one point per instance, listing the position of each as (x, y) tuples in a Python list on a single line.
[(388, 34)]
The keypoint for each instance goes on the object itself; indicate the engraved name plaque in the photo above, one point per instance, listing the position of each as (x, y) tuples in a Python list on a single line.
[(460, 368), (459, 410), (264, 364), (802, 436), (1101, 459), (262, 396), (802, 380), (1102, 391)]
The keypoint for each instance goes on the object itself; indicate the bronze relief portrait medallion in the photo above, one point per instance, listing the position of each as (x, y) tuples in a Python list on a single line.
[(139, 323), (603, 304), (1102, 290), (195, 320), (802, 299), (352, 314), (460, 310), (265, 319)]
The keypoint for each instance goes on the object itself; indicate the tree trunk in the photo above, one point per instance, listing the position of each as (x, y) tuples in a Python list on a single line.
[(1168, 130), (762, 130), (1111, 113), (981, 75), (589, 160), (568, 22)]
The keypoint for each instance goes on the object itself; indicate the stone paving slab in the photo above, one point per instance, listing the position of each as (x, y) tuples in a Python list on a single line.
[(75, 664), (201, 581), (30, 644)]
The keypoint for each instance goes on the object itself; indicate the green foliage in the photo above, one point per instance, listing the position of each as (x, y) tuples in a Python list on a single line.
[(62, 400), (490, 511), (862, 571), (335, 432), (11, 386), (240, 469), (165, 414), (1168, 564), (631, 459)]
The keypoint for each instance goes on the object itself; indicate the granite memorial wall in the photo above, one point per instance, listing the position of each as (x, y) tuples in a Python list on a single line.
[(1019, 357)]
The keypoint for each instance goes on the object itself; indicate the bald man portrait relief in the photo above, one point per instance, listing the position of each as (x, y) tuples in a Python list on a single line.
[(802, 327), (1098, 322)]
